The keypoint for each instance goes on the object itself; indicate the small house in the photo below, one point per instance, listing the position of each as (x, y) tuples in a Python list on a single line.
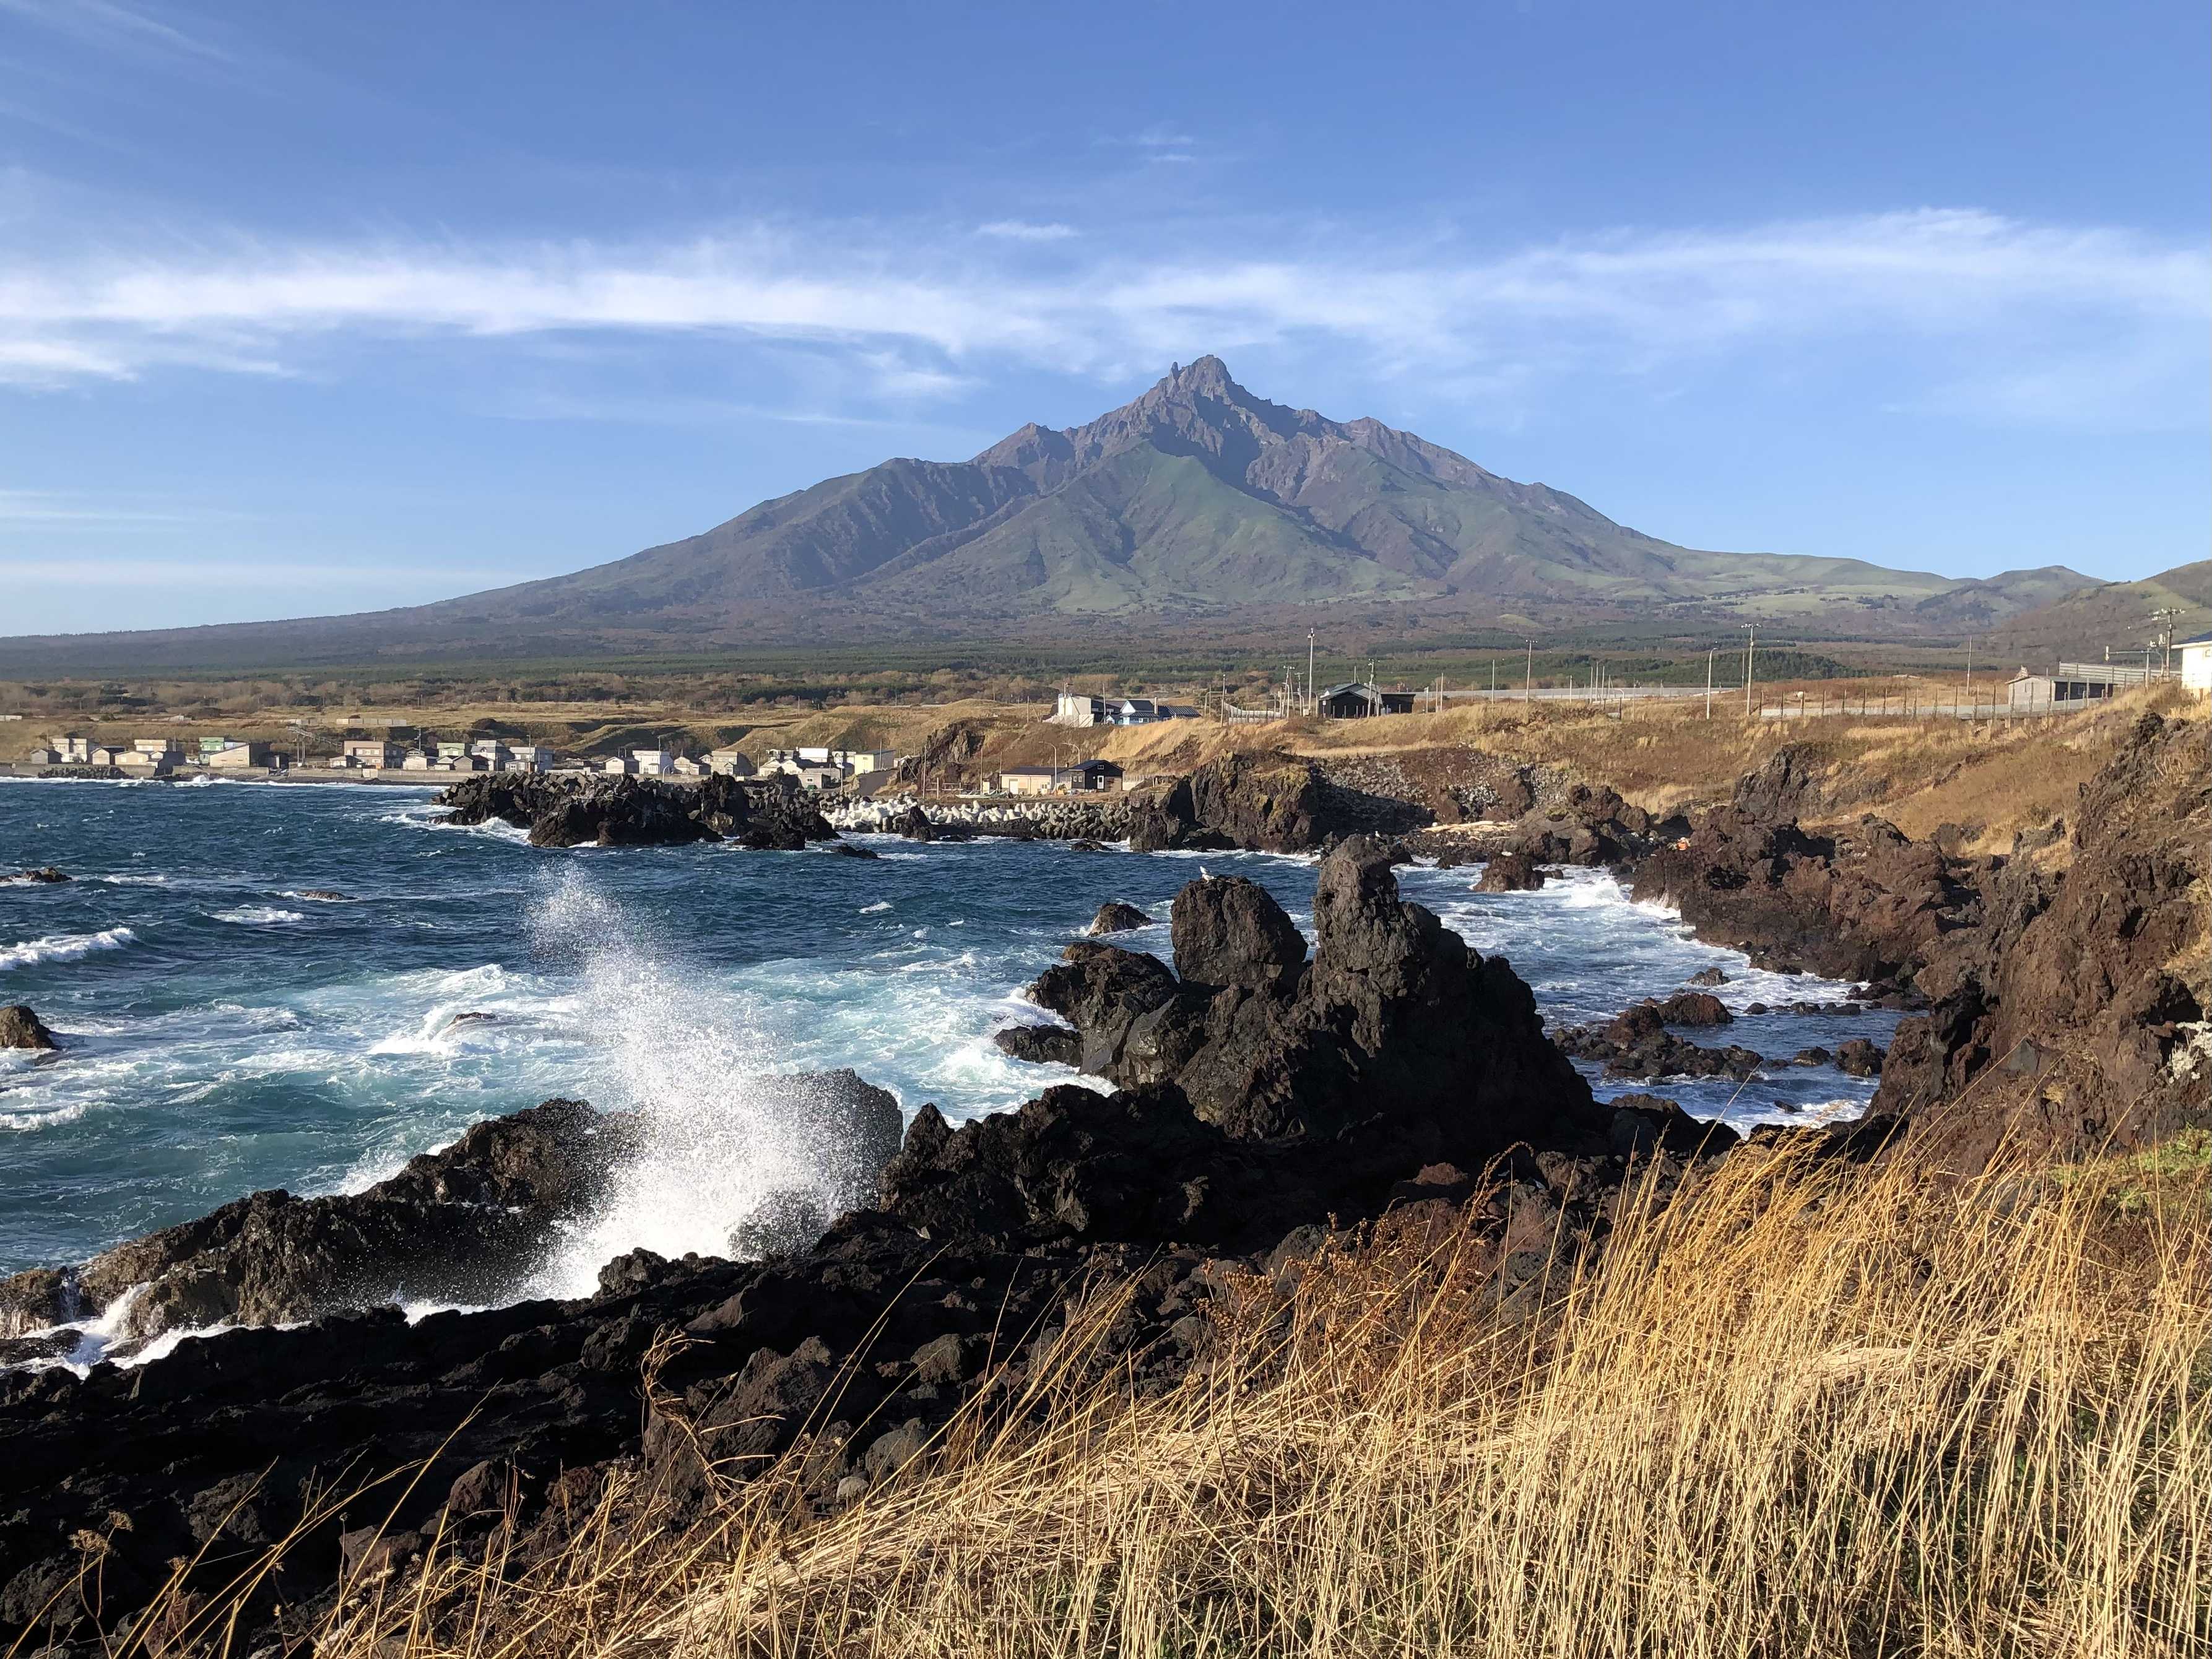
[(237, 758), (2195, 654), (731, 763), (653, 762), (1363, 699), (1027, 780)]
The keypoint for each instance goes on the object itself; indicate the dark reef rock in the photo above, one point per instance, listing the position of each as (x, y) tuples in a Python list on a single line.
[(45, 875), (1693, 1008), (1115, 917), (1637, 1044), (1040, 1045), (1509, 873), (564, 811), (1709, 977), (21, 1027), (1858, 1057)]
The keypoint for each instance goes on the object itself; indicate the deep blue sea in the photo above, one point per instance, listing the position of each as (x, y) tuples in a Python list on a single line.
[(225, 1032)]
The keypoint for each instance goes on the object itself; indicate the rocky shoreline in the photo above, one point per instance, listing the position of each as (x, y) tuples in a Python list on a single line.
[(1262, 1098)]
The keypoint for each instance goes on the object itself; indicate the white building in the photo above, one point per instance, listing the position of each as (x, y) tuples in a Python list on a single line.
[(531, 757), (1073, 708), (653, 762), (71, 752), (732, 762), (2196, 662), (619, 766), (372, 752)]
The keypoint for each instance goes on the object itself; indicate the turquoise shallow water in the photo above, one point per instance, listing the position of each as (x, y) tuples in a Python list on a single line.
[(226, 1032)]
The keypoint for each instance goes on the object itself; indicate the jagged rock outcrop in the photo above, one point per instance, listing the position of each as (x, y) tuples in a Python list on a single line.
[(21, 1027), (566, 810), (1510, 872), (1262, 803), (2069, 1014), (1860, 903), (468, 1225), (1395, 1030), (44, 876), (1115, 917), (1230, 930), (1785, 788)]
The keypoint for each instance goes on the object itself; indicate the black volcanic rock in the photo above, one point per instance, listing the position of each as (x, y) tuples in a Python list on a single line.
[(1230, 930), (1115, 917), (1637, 1044), (562, 809), (1040, 1045), (1509, 873), (1262, 803), (21, 1027), (1395, 1022)]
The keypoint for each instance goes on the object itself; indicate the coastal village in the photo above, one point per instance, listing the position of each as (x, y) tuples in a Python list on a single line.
[(857, 775)]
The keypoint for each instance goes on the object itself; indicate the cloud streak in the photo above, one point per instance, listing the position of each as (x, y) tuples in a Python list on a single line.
[(1975, 299)]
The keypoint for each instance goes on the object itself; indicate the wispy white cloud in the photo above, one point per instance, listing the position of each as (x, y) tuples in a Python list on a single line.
[(105, 24), (1017, 230), (1956, 299), (44, 512)]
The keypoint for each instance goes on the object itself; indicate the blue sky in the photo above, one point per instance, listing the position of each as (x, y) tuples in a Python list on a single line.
[(308, 307)]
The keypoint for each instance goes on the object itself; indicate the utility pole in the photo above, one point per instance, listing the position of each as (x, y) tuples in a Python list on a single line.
[(2162, 620), (1527, 672), (1750, 644), (1709, 654), (1970, 676), (1309, 670)]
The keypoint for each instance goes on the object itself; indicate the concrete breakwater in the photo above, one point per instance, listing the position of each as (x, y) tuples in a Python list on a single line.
[(1108, 818)]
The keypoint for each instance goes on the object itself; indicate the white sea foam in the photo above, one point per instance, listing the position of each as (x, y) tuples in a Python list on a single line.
[(877, 909), (259, 915), (64, 947)]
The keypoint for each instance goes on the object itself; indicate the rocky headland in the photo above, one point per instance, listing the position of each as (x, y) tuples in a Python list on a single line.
[(1263, 1097)]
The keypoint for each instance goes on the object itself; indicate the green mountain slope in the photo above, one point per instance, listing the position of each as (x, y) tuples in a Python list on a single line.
[(1197, 500)]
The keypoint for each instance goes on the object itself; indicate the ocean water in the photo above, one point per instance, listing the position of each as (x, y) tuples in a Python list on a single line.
[(227, 1028)]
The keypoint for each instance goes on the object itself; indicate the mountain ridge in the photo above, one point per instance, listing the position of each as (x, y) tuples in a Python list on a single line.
[(1197, 499)]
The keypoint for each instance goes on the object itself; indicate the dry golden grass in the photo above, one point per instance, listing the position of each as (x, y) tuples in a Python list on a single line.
[(1919, 773), (1795, 1410)]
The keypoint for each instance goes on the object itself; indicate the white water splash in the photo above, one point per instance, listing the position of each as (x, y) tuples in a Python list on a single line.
[(693, 1057)]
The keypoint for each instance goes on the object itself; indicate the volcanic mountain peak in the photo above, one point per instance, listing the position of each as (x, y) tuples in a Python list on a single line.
[(1196, 499)]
